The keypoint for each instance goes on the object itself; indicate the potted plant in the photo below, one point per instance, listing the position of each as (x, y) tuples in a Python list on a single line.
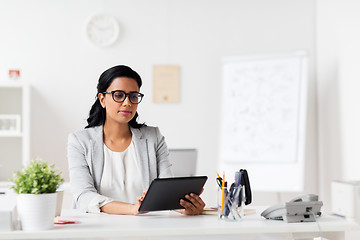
[(36, 186)]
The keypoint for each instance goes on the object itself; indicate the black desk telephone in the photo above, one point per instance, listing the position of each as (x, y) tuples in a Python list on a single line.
[(303, 208)]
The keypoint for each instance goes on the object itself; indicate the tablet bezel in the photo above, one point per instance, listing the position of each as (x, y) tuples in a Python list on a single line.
[(165, 193)]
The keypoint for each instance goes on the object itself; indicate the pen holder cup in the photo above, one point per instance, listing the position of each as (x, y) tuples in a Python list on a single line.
[(230, 203)]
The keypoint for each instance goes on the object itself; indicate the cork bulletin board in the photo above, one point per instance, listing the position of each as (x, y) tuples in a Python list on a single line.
[(166, 84)]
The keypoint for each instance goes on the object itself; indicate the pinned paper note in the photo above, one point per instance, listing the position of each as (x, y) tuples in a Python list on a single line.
[(166, 84)]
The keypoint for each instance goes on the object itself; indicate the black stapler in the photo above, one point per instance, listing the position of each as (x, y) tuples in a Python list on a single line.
[(245, 183)]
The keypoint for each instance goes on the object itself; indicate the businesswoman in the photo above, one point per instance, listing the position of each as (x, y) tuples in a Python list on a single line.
[(114, 159)]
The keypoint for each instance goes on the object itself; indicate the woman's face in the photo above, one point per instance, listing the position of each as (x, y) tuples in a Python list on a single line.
[(122, 112)]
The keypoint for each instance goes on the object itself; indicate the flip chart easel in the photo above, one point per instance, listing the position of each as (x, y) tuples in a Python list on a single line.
[(264, 119)]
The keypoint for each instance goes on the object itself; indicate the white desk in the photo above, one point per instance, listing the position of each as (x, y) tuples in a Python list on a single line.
[(172, 224)]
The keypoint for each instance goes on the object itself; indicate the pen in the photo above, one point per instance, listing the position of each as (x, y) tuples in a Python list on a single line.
[(228, 200), (219, 182), (238, 199), (237, 178)]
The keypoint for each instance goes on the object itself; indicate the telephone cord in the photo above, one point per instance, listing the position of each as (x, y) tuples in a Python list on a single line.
[(320, 232)]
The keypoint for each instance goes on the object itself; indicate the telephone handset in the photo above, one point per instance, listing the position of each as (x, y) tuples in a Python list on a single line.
[(302, 208), (305, 198)]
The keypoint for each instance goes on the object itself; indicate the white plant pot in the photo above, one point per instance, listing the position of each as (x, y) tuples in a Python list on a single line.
[(36, 211)]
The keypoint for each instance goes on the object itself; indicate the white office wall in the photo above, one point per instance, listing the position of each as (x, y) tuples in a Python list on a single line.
[(46, 40), (349, 88), (338, 76)]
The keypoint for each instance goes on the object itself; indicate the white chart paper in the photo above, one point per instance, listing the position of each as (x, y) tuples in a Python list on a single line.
[(263, 117)]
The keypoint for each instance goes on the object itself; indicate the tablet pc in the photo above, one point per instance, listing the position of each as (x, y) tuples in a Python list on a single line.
[(165, 193)]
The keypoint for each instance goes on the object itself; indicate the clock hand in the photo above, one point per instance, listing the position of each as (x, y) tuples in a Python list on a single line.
[(102, 27), (106, 28)]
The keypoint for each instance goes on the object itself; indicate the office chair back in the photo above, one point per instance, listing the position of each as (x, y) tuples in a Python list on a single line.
[(183, 162)]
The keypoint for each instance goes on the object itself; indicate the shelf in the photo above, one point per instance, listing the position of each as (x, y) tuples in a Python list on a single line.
[(11, 84), (10, 134), (5, 185), (14, 140)]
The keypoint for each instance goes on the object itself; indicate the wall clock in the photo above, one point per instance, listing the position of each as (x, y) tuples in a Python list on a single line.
[(102, 30)]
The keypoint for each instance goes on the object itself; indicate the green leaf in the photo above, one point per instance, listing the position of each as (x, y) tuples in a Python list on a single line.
[(37, 177)]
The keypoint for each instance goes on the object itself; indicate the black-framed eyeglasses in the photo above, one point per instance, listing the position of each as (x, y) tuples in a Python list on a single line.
[(120, 96)]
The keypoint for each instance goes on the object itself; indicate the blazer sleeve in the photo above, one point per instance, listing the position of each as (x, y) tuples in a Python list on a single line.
[(81, 179), (162, 156)]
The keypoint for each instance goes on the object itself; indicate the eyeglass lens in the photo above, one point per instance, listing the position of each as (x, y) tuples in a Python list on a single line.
[(134, 97)]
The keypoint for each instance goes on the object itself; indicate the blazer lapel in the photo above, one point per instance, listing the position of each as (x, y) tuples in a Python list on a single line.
[(142, 155), (98, 155)]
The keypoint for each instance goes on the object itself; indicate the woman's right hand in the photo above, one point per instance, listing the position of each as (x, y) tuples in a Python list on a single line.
[(139, 200)]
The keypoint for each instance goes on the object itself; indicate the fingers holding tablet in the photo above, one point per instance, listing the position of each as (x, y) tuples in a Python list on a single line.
[(193, 205)]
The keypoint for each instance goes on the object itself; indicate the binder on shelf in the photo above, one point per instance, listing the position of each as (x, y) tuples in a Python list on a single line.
[(10, 124)]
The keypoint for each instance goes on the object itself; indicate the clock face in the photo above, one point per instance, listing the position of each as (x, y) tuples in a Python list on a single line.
[(102, 30)]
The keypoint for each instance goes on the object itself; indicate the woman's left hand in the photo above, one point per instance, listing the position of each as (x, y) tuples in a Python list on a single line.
[(194, 206)]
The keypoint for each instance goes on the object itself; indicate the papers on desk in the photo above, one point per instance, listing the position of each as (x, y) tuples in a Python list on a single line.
[(213, 211), (65, 220), (8, 213)]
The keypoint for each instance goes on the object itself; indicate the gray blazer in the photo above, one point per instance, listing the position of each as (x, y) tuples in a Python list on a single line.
[(86, 160)]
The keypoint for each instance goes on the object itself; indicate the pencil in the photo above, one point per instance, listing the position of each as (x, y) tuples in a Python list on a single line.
[(223, 193)]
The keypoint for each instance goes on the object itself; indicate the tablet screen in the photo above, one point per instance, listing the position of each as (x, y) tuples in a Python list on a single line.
[(165, 193)]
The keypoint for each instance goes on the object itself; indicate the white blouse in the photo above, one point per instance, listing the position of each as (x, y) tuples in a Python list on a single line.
[(121, 178)]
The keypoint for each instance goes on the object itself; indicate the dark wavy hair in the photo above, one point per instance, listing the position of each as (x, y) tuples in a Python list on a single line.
[(97, 114)]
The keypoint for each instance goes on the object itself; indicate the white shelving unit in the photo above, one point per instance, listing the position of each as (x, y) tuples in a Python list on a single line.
[(14, 146)]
